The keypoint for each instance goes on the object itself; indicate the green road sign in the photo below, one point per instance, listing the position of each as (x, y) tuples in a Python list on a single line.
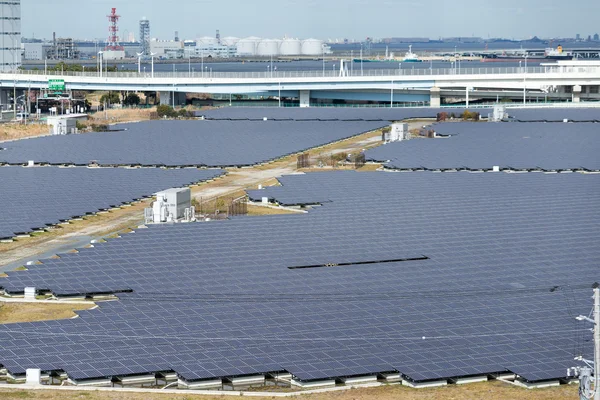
[(56, 85)]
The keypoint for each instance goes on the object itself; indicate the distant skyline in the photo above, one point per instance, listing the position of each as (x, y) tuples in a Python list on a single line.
[(324, 19)]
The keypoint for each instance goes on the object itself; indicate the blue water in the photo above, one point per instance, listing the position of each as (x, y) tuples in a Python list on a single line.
[(299, 66)]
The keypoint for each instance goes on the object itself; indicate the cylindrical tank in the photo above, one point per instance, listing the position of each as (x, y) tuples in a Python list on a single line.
[(207, 41), (230, 41), (267, 47), (312, 47), (290, 47), (247, 46)]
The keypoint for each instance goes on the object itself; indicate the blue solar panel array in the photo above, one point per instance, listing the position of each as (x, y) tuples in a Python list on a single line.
[(325, 114), (521, 146), (510, 262), (555, 114), (184, 143), (35, 198)]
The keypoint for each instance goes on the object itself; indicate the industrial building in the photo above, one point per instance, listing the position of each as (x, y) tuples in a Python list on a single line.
[(10, 35), (35, 51), (63, 49), (166, 48)]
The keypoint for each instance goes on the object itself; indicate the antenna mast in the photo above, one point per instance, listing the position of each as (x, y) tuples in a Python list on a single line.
[(113, 31)]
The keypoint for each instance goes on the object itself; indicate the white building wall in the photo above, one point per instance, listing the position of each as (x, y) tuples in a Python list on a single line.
[(10, 34), (219, 51), (34, 51), (159, 46)]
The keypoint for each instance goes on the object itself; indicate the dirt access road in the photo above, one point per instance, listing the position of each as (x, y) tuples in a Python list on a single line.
[(79, 233)]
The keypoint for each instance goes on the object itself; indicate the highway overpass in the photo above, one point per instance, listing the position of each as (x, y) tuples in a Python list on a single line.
[(576, 80)]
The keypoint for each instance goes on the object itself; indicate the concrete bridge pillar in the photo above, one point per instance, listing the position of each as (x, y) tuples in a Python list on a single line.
[(166, 98), (305, 98), (577, 94), (5, 104), (435, 100)]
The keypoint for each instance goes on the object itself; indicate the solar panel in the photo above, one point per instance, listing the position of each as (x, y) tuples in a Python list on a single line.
[(35, 198), (323, 114), (217, 299), (520, 146), (555, 114), (184, 143)]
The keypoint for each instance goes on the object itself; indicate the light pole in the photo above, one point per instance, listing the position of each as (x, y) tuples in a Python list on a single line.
[(139, 56), (361, 59), (202, 60), (100, 53), (190, 63), (351, 62), (152, 55), (392, 95), (323, 48), (525, 81)]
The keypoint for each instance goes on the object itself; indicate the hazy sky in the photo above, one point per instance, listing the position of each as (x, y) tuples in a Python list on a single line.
[(353, 19)]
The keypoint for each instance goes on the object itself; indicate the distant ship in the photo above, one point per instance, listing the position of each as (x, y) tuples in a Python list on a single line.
[(549, 54), (411, 57)]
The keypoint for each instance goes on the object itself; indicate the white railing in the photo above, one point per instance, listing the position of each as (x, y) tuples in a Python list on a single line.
[(404, 72)]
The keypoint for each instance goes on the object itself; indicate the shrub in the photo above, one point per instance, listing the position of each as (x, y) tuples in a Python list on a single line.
[(164, 110)]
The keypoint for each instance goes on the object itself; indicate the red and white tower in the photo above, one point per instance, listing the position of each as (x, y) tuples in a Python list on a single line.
[(113, 31)]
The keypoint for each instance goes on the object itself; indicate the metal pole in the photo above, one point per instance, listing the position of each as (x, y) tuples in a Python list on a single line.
[(361, 60), (525, 83), (392, 95), (597, 343), (467, 96), (323, 48), (15, 99), (28, 102)]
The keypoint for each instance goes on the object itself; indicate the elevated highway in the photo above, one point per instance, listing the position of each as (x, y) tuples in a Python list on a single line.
[(576, 79)]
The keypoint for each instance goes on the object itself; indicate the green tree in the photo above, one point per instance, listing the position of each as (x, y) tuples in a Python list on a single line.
[(110, 98), (132, 99)]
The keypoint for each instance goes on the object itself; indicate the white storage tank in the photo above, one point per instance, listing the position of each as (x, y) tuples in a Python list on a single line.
[(206, 41), (290, 47), (267, 47), (312, 47), (230, 41), (247, 46)]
